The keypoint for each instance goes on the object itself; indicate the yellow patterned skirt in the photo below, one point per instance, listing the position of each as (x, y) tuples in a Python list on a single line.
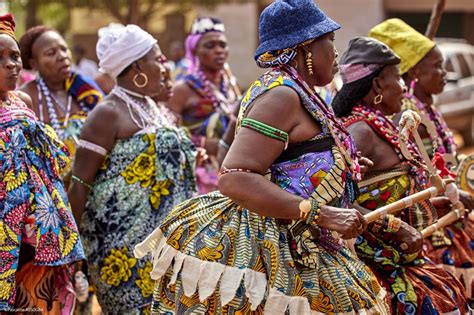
[(213, 256)]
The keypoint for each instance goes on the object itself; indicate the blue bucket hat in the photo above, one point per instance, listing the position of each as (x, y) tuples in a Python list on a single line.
[(286, 23)]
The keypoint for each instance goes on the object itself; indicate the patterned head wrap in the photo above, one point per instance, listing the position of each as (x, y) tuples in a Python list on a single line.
[(407, 43), (363, 57), (200, 27), (7, 25), (279, 57)]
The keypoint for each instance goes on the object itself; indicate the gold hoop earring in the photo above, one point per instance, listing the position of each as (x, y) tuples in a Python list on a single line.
[(309, 62), (145, 79), (378, 99)]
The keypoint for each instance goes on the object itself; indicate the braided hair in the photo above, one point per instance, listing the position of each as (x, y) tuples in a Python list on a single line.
[(27, 41), (351, 93)]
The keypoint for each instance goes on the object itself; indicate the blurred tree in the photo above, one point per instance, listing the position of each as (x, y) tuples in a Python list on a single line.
[(57, 12)]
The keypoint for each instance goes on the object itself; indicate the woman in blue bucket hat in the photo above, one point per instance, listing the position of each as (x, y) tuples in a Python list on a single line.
[(267, 242)]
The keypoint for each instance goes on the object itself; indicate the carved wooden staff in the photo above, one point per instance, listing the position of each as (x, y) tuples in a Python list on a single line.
[(435, 19), (409, 125), (445, 220)]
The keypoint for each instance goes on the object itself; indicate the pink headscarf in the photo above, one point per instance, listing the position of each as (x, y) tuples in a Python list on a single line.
[(201, 26)]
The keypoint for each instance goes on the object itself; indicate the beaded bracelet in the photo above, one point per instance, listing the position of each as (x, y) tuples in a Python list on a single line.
[(225, 170), (80, 181), (313, 214)]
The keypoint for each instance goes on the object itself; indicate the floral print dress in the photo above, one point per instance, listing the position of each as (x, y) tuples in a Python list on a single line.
[(142, 178), (39, 238)]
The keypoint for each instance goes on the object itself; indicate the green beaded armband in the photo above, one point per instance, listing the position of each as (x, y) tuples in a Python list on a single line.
[(266, 130)]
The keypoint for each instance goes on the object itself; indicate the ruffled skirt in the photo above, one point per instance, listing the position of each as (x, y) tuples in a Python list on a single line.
[(211, 255)]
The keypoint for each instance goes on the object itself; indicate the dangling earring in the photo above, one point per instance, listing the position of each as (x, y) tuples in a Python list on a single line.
[(140, 75), (309, 62), (412, 86), (378, 99)]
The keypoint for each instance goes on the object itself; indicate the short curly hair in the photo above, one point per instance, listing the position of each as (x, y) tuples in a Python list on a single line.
[(27, 41)]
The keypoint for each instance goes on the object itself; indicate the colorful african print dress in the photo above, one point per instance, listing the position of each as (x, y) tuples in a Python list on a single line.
[(39, 239), (212, 256), (142, 178), (414, 284), (451, 247), (208, 118)]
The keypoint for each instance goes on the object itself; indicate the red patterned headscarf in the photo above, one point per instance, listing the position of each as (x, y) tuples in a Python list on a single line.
[(7, 25)]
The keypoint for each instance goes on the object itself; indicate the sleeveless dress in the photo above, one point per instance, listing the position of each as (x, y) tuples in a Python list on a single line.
[(39, 239), (142, 178), (213, 256)]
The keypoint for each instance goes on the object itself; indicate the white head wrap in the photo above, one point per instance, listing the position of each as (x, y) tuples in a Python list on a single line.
[(119, 46)]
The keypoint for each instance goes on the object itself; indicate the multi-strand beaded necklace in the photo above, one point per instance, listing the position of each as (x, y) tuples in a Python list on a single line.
[(221, 98), (389, 132), (144, 111), (52, 102)]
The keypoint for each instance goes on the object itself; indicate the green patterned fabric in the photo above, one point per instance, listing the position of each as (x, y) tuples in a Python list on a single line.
[(142, 178)]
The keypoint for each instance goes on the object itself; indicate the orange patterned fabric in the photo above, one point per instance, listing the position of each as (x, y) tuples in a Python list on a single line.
[(7, 25)]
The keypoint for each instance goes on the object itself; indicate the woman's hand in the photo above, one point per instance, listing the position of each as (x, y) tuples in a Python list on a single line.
[(201, 156), (408, 239), (347, 222), (442, 205)]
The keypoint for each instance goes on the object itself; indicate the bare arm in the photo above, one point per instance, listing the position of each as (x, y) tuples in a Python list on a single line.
[(363, 136), (251, 150), (87, 162)]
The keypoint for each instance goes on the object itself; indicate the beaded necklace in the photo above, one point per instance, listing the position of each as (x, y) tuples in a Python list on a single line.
[(222, 97), (144, 112), (443, 142), (51, 99), (389, 132), (342, 138)]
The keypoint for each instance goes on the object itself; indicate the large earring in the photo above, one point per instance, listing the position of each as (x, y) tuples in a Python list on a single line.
[(140, 75), (309, 62), (378, 99), (412, 86)]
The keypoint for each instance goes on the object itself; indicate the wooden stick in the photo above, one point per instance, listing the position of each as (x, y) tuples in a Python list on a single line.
[(401, 204), (435, 19), (445, 220)]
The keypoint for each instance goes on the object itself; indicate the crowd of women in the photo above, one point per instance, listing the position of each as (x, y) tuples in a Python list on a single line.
[(250, 203)]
